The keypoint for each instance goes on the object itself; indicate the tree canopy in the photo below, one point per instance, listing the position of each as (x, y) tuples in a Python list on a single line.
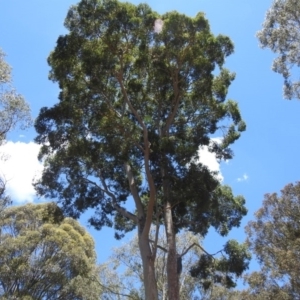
[(14, 111), (45, 256), (274, 237), (136, 104), (281, 33)]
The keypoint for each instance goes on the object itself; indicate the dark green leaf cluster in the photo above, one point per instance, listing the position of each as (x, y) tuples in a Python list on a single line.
[(207, 203), (233, 262)]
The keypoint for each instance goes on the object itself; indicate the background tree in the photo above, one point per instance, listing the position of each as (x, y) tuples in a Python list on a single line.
[(45, 256), (127, 258), (5, 199), (274, 237), (136, 103), (122, 275), (219, 292), (224, 270), (281, 33), (14, 111)]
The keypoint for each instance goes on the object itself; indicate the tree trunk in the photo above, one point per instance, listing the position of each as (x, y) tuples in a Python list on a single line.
[(172, 275), (150, 285), (144, 225)]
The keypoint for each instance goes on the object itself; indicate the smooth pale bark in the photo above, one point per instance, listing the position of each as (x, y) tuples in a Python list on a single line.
[(172, 275), (151, 292), (146, 252), (145, 217)]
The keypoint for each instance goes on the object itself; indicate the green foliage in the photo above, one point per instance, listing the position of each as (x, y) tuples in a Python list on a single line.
[(135, 108), (14, 111), (274, 237), (222, 293), (281, 33), (45, 256), (123, 273), (13, 108), (118, 80), (223, 270)]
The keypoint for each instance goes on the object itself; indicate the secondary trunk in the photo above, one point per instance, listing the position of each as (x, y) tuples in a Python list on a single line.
[(172, 274), (151, 292)]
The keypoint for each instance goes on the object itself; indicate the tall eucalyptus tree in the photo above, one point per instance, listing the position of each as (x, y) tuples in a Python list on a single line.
[(140, 94)]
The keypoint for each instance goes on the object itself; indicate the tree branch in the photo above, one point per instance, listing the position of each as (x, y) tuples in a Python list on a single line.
[(133, 190), (115, 204), (152, 197), (159, 247), (112, 291), (152, 188), (172, 114), (154, 248), (124, 92), (197, 245)]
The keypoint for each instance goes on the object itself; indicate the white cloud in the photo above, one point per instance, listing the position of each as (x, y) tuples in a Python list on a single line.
[(19, 168), (209, 159), (243, 178)]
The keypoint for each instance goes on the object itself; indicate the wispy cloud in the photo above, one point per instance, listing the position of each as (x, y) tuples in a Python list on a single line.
[(19, 168), (245, 177)]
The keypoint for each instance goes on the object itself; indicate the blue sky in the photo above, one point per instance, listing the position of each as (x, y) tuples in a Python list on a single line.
[(266, 154)]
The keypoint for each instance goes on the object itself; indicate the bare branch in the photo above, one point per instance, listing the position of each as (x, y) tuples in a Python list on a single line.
[(158, 246), (176, 101), (196, 245), (152, 188), (124, 92), (134, 190), (113, 292), (115, 204)]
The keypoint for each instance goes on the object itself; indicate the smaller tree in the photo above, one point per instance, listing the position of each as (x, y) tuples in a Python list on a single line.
[(13, 108), (223, 293), (4, 197), (281, 33), (45, 256), (274, 237), (13, 111), (129, 282), (223, 270), (116, 284)]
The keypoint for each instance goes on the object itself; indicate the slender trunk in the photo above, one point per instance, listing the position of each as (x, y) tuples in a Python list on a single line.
[(172, 275), (150, 285), (144, 224)]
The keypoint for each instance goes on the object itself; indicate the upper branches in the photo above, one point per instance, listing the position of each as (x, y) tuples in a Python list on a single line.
[(133, 101)]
